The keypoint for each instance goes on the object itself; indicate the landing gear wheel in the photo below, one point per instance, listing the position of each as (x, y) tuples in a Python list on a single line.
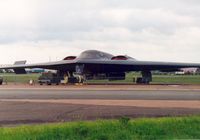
[(145, 79), (142, 81), (1, 81), (48, 83)]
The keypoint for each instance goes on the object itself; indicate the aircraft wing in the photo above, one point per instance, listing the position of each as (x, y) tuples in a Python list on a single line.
[(106, 65), (19, 68), (132, 65)]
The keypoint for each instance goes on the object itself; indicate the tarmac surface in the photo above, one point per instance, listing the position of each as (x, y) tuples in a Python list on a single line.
[(23, 104)]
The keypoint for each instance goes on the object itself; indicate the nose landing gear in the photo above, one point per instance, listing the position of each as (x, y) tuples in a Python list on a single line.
[(71, 78)]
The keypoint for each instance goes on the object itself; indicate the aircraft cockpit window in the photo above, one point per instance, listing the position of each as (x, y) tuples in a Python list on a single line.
[(100, 55), (94, 55)]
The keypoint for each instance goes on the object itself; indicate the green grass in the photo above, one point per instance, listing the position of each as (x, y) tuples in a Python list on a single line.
[(157, 79), (21, 78), (123, 129), (176, 79)]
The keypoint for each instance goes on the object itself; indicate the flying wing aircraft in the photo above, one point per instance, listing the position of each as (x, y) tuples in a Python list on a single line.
[(94, 64)]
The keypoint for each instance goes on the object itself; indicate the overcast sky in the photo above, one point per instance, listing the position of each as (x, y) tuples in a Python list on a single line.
[(158, 30)]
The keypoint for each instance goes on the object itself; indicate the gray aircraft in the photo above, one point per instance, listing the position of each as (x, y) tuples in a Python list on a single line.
[(96, 64)]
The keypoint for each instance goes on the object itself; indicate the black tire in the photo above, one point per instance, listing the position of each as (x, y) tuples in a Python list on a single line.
[(1, 81), (139, 80), (48, 83)]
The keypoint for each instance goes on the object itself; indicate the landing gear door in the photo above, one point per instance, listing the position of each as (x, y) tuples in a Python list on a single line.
[(79, 69)]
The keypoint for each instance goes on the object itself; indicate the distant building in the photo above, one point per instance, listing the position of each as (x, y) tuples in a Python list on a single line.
[(190, 70), (198, 71), (35, 70), (180, 73)]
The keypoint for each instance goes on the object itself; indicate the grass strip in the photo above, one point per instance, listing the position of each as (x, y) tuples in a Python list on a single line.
[(157, 79), (122, 129)]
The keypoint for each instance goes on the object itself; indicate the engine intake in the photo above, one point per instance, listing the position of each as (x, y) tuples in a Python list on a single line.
[(70, 58), (119, 57)]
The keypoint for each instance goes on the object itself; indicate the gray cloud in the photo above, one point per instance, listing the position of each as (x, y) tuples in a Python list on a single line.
[(144, 28)]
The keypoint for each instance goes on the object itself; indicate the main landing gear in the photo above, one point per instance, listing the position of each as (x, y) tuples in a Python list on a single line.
[(145, 79), (70, 78)]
